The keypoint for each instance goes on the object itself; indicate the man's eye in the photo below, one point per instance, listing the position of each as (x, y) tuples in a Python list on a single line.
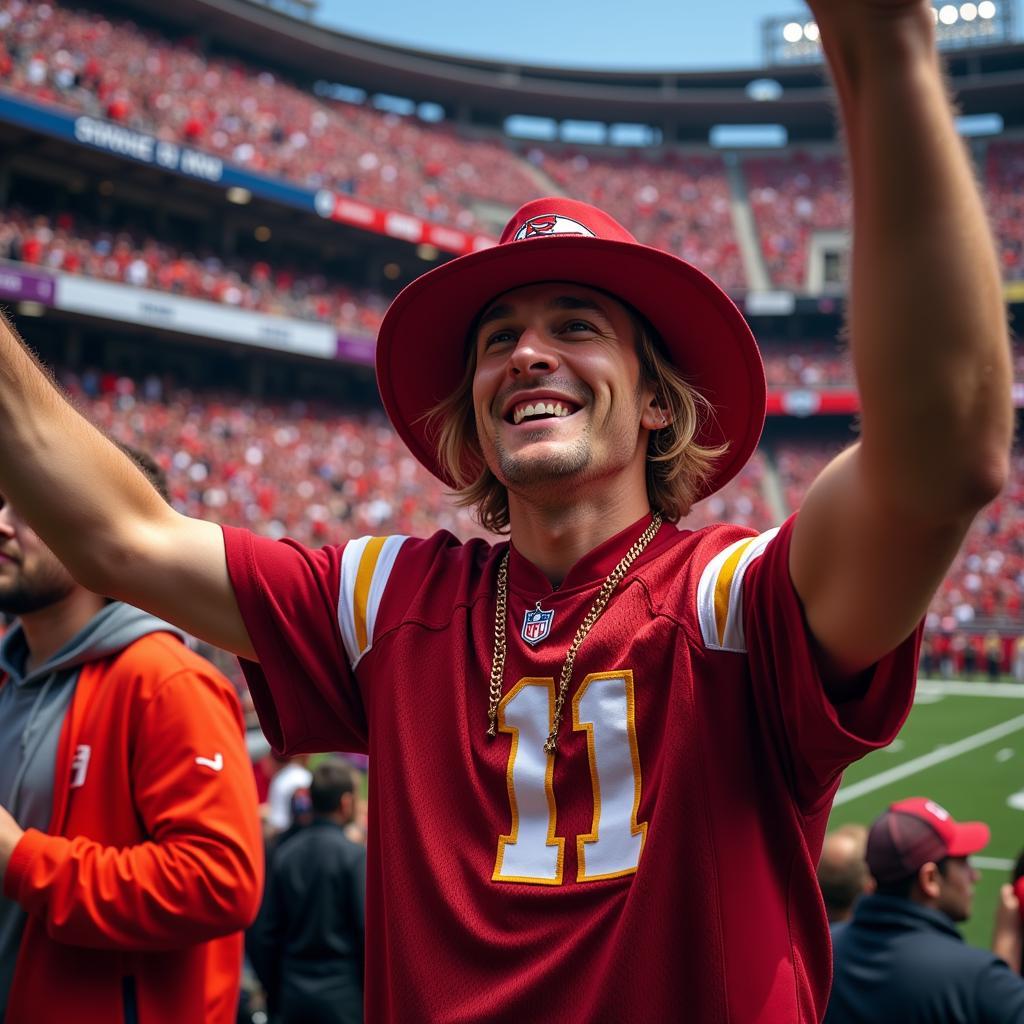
[(578, 325), (498, 338)]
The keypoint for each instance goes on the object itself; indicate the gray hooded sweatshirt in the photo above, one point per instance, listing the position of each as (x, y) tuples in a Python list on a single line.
[(32, 710)]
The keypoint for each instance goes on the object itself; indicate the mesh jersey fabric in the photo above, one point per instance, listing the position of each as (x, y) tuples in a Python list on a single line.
[(664, 864)]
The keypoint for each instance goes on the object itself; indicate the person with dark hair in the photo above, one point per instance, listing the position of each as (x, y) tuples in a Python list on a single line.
[(900, 958), (131, 854), (842, 871), (583, 735), (307, 943)]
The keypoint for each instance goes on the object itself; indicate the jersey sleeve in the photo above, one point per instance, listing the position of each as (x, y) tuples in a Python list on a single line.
[(747, 605), (311, 616)]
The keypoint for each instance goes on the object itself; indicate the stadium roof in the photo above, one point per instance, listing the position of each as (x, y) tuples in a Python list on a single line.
[(685, 104)]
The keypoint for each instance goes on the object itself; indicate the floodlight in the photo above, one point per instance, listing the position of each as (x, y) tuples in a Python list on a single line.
[(793, 32), (986, 9), (935, 15), (948, 14), (812, 32), (968, 12)]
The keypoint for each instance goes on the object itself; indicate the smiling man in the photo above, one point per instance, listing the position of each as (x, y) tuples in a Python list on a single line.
[(604, 752)]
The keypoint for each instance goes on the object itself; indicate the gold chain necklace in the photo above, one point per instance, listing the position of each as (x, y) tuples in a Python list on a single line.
[(501, 615)]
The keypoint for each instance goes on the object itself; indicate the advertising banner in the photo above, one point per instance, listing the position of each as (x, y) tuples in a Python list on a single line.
[(19, 285), (193, 316)]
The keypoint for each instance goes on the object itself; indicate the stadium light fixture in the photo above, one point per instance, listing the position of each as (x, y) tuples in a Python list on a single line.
[(948, 14), (427, 252), (238, 195), (968, 12), (391, 271), (986, 10), (812, 32), (262, 233), (793, 32), (30, 308)]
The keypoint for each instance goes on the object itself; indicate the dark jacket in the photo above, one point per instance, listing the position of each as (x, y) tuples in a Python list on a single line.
[(307, 943), (899, 962)]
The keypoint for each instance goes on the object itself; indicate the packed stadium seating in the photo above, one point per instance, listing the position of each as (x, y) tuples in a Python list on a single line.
[(65, 242), (114, 69), (323, 475), (1004, 186), (677, 202), (793, 196), (318, 474)]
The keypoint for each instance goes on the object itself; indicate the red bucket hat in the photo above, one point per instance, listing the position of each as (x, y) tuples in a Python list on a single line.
[(915, 831), (421, 348)]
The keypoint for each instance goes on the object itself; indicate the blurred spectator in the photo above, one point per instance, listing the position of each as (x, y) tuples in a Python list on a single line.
[(129, 837), (901, 958), (307, 944), (291, 776), (843, 871)]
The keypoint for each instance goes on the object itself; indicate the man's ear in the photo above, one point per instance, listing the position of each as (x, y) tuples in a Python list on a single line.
[(655, 415), (929, 879)]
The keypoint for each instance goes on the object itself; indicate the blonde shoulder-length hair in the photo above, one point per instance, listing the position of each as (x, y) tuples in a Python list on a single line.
[(677, 466)]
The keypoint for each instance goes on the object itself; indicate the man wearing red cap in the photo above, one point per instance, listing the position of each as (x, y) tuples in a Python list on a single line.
[(604, 753), (901, 957)]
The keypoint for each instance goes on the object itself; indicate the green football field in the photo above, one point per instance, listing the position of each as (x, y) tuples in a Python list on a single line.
[(963, 746)]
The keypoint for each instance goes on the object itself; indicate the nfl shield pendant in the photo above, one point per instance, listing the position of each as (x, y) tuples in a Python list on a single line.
[(537, 625)]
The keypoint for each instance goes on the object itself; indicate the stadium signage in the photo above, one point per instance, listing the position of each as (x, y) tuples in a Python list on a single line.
[(193, 316), (115, 138), (21, 286), (346, 210), (352, 349)]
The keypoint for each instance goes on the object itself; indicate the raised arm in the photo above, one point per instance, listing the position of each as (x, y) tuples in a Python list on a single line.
[(100, 516), (881, 525)]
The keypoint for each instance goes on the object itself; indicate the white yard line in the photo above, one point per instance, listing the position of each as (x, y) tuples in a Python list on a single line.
[(918, 764), (991, 863), (956, 688)]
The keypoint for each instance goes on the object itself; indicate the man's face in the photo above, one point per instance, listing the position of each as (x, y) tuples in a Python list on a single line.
[(31, 578), (956, 895), (557, 390)]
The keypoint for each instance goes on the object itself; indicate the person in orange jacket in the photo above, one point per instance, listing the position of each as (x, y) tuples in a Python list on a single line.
[(130, 847)]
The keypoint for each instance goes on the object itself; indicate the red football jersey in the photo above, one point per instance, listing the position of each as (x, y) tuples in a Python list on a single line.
[(661, 866)]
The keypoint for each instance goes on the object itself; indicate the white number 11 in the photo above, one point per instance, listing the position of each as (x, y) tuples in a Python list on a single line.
[(532, 852)]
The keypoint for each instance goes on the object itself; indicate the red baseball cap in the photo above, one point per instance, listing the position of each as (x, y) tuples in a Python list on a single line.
[(422, 345), (913, 832)]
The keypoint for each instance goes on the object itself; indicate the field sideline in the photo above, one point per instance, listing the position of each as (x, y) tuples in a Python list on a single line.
[(963, 745)]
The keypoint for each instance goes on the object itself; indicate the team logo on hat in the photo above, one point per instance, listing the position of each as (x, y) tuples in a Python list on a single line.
[(537, 625), (551, 224)]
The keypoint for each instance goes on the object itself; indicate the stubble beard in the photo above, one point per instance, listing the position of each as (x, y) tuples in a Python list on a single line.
[(25, 594), (517, 470)]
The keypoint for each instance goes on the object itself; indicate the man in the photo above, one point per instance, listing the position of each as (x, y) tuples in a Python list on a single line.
[(129, 835), (307, 943), (583, 738), (843, 874), (901, 958)]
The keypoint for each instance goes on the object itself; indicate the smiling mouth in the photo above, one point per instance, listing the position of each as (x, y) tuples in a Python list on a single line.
[(531, 412)]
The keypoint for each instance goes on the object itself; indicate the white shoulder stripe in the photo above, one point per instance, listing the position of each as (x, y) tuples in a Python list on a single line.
[(366, 566), (720, 593)]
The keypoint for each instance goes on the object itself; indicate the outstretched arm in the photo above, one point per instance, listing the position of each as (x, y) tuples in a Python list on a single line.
[(101, 517), (881, 525)]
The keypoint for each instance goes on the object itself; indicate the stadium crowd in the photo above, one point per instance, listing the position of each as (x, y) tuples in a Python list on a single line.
[(791, 198), (323, 475), (673, 201), (66, 243)]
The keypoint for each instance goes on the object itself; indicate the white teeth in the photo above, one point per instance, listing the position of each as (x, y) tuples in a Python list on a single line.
[(539, 409)]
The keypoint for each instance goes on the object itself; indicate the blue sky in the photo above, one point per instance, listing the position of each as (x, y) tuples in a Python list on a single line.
[(578, 33)]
